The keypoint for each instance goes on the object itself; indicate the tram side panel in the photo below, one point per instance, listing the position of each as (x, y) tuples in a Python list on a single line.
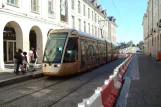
[(109, 52)]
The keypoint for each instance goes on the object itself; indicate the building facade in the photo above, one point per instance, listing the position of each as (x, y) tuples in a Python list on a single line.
[(151, 28), (112, 26), (25, 24)]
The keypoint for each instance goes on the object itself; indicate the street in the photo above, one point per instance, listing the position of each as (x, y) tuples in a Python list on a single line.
[(54, 91)]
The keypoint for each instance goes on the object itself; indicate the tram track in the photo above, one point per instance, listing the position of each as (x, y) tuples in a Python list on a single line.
[(49, 105), (14, 86), (5, 103), (52, 85)]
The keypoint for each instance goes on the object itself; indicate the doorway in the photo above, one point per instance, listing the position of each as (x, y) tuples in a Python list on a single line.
[(32, 39), (9, 44)]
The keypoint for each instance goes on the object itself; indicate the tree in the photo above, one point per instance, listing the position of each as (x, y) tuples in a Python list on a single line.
[(140, 45), (130, 43)]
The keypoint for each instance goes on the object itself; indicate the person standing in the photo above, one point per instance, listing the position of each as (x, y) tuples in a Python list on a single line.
[(31, 53), (35, 57), (18, 57), (25, 62), (15, 62)]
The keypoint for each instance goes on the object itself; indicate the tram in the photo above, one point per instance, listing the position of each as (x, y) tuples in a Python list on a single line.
[(69, 51)]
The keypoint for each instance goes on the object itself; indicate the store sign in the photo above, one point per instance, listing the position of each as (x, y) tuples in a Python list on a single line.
[(9, 34)]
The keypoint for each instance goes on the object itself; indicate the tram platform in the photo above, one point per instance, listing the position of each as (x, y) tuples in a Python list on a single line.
[(142, 85), (8, 77)]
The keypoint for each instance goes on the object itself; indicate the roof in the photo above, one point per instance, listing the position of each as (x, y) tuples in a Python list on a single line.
[(91, 36)]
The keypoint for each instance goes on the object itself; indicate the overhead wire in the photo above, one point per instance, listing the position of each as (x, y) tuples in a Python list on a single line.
[(116, 9)]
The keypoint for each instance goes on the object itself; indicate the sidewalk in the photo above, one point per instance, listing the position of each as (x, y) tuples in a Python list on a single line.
[(142, 86), (7, 77)]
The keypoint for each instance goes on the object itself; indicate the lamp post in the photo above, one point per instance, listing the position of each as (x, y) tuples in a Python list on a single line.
[(102, 26)]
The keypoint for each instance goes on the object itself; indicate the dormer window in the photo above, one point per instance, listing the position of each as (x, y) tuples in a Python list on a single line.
[(99, 7)]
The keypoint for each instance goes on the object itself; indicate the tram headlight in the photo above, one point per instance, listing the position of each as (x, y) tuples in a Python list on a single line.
[(44, 65), (56, 65)]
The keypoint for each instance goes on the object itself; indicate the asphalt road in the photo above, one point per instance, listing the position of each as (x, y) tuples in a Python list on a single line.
[(56, 92)]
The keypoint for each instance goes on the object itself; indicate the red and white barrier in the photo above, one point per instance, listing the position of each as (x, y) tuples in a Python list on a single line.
[(94, 101), (105, 96)]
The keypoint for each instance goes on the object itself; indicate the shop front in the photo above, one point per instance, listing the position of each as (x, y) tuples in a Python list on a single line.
[(9, 44)]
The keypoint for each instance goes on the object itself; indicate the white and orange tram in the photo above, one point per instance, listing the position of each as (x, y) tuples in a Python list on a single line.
[(69, 51)]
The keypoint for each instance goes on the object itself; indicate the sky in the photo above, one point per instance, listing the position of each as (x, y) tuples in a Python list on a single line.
[(129, 15)]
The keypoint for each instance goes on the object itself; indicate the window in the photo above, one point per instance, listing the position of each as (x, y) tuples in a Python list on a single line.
[(51, 8), (72, 4), (98, 32), (34, 6), (84, 10), (71, 52), (92, 15), (54, 47), (92, 29), (84, 26), (14, 2), (90, 51), (95, 30), (79, 7), (88, 13), (63, 10), (95, 18), (79, 21), (73, 19), (89, 28), (82, 54)]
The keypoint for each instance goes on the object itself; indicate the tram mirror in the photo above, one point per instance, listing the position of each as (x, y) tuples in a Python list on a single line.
[(74, 33)]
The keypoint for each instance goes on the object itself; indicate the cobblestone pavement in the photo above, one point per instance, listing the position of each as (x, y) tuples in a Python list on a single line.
[(145, 91)]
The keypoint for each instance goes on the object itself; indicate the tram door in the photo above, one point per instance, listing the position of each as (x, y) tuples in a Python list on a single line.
[(82, 51)]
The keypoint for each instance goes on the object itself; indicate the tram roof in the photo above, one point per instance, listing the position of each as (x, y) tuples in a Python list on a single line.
[(91, 36), (81, 33)]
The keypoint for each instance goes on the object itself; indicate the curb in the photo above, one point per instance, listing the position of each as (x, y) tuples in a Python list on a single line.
[(19, 79)]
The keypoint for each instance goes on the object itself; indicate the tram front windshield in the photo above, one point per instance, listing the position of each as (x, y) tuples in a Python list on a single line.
[(54, 47)]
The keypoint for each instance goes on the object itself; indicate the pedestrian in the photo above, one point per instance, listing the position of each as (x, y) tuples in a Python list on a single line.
[(31, 54), (18, 58), (25, 62), (35, 57), (15, 63)]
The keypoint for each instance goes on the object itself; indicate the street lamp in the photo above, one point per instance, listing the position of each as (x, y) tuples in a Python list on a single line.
[(101, 25)]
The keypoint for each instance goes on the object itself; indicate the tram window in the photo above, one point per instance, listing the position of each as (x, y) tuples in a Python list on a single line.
[(89, 51), (98, 49), (82, 48), (71, 52), (54, 48)]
